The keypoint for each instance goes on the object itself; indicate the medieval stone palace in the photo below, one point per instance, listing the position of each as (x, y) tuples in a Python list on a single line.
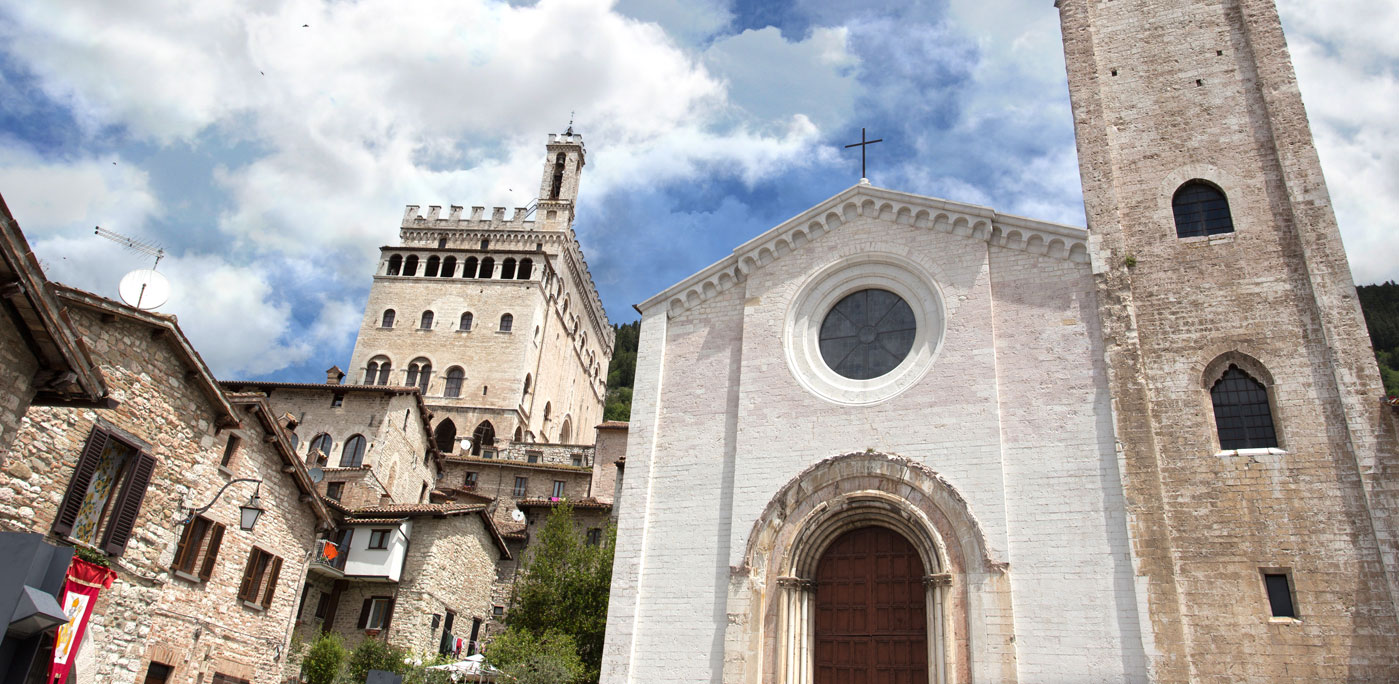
[(904, 439)]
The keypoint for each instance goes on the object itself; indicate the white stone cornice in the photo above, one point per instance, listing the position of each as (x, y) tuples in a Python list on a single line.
[(865, 201)]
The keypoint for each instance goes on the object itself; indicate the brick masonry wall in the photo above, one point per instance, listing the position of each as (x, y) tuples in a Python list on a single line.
[(1164, 92), (148, 613), (17, 368)]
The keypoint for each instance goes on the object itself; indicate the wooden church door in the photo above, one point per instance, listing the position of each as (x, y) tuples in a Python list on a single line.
[(871, 624)]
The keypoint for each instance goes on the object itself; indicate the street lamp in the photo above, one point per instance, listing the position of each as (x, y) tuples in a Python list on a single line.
[(247, 513)]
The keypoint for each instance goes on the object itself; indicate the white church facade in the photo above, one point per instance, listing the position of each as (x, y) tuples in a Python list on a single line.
[(899, 439)]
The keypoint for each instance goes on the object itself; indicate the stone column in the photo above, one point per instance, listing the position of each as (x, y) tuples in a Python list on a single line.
[(936, 588), (796, 621)]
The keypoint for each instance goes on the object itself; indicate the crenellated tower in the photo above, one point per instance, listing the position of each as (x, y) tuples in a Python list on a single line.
[(1255, 454), (494, 316)]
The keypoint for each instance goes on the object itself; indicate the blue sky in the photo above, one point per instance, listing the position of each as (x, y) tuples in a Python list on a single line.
[(271, 159)]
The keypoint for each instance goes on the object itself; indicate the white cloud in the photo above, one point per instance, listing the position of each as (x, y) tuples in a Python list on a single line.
[(73, 196), (773, 79)]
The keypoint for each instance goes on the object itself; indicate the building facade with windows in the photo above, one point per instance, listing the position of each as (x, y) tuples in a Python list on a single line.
[(947, 444), (153, 481)]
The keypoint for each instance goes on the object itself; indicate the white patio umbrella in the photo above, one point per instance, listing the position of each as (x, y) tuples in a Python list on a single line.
[(473, 666)]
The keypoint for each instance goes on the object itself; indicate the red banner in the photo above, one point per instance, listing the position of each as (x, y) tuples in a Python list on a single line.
[(85, 581)]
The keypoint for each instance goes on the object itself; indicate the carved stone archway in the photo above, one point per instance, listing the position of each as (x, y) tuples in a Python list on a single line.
[(772, 595)]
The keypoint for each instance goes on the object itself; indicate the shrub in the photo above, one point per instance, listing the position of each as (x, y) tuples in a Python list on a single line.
[(550, 658), (373, 654), (323, 660)]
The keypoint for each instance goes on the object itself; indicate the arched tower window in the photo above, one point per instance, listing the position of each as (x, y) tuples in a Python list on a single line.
[(468, 268), (1241, 412), (371, 371), (487, 268), (527, 382), (548, 408), (566, 431), (410, 265), (449, 267), (376, 372), (1201, 208), (419, 374), (483, 436), (558, 176), (352, 455), (395, 265), (445, 436), (506, 321), (431, 269), (426, 322), (455, 375), (519, 434), (318, 452), (526, 268), (387, 320), (465, 321), (507, 269)]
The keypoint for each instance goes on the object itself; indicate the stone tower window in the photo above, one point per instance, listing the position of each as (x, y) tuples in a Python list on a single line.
[(430, 270), (525, 269), (352, 454), (487, 268), (455, 375), (419, 374), (449, 267), (468, 268), (485, 244), (527, 382), (442, 243), (548, 408), (319, 451), (387, 321), (395, 265), (507, 269), (558, 176), (382, 366), (1279, 588), (482, 437), (410, 265), (1241, 412), (566, 431), (445, 435), (465, 325), (426, 323), (506, 321), (1200, 209)]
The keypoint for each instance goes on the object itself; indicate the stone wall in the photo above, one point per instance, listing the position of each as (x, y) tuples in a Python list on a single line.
[(165, 406), (17, 368), (450, 567), (1164, 93), (611, 448)]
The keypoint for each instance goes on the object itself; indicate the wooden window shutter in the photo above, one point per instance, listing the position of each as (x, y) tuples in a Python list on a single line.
[(249, 577), (364, 613), (128, 505), (183, 550), (272, 574), (333, 604), (215, 541), (77, 485), (388, 615)]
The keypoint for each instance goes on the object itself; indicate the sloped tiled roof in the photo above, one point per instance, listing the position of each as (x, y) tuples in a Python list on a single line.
[(589, 504)]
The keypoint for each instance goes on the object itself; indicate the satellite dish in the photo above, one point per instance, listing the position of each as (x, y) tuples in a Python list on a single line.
[(517, 515), (144, 289), (466, 444), (316, 474)]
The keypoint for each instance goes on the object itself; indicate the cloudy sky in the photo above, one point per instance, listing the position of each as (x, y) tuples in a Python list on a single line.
[(270, 146)]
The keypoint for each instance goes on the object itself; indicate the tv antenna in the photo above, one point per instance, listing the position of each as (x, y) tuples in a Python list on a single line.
[(143, 288)]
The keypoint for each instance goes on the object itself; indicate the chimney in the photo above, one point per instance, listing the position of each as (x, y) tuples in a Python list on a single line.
[(334, 375)]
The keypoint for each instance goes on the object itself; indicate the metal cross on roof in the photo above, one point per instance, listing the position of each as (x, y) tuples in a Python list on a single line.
[(862, 145)]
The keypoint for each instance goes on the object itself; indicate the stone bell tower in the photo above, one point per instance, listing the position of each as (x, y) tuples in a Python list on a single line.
[(1257, 459), (563, 166)]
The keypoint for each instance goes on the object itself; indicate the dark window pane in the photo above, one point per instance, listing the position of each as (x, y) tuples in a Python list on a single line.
[(867, 334), (1201, 209), (1279, 595), (1241, 412)]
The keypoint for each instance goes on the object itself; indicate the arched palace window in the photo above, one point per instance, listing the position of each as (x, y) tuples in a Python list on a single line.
[(352, 454), (1242, 414), (1201, 208)]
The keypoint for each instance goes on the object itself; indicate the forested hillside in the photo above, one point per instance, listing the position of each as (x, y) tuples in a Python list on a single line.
[(1381, 306), (622, 372)]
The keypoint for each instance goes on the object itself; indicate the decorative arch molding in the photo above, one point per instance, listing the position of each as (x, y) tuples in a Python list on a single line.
[(1209, 372), (1174, 179), (772, 592)]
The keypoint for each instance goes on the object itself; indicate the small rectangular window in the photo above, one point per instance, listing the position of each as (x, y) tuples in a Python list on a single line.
[(229, 449), (198, 549), (577, 460), (379, 539), (558, 489), (323, 605), (497, 611), (260, 578), (376, 612), (1279, 587), (594, 537), (334, 490), (471, 480), (532, 456), (487, 453), (520, 485), (337, 400)]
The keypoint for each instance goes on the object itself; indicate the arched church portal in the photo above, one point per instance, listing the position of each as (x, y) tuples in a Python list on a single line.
[(872, 561)]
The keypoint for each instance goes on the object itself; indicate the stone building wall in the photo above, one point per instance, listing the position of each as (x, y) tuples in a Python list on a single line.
[(1164, 93), (17, 368), (450, 567), (172, 410), (495, 479), (611, 447)]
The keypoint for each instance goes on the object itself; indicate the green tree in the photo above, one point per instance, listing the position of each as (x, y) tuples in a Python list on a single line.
[(621, 373), (1380, 304), (373, 654), (323, 660), (526, 658), (564, 587)]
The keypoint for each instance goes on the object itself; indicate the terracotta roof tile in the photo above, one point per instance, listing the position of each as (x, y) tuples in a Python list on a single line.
[(588, 504), (614, 425)]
